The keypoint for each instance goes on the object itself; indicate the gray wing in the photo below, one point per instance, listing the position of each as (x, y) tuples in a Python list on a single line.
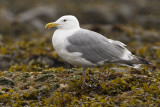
[(95, 47)]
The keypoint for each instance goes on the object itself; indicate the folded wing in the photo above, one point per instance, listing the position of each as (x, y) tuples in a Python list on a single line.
[(95, 47)]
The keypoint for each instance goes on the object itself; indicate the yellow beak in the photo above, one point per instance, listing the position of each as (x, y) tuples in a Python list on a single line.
[(49, 25)]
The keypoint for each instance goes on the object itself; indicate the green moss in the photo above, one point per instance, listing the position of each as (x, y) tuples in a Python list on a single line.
[(115, 87), (31, 95), (44, 77), (6, 81), (118, 90)]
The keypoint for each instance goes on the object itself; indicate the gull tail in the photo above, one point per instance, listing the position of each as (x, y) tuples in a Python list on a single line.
[(134, 61), (141, 60)]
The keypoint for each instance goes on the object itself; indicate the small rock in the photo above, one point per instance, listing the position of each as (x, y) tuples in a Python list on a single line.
[(63, 85), (44, 77), (5, 61), (6, 81)]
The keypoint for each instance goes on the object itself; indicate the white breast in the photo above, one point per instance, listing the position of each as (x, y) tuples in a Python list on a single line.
[(59, 39), (60, 42)]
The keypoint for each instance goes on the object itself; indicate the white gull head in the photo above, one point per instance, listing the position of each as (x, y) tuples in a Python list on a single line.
[(66, 22)]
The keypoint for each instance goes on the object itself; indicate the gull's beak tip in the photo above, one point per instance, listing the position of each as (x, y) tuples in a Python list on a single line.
[(46, 27), (49, 25)]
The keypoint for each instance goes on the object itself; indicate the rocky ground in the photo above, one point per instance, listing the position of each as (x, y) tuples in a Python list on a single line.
[(31, 73)]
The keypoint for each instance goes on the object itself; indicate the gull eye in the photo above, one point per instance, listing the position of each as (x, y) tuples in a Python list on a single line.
[(64, 20)]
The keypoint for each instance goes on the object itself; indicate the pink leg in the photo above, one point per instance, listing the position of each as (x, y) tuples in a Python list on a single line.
[(84, 76)]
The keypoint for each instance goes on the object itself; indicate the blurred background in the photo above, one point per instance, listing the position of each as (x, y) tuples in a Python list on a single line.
[(25, 41)]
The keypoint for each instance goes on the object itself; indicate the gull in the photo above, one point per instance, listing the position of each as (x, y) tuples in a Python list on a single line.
[(86, 48)]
